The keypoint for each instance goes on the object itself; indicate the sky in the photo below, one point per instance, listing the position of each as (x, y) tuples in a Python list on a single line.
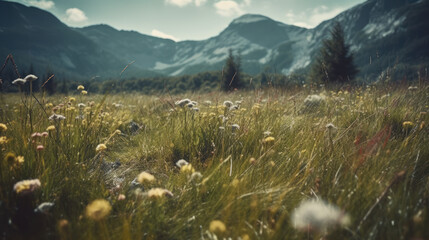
[(187, 19)]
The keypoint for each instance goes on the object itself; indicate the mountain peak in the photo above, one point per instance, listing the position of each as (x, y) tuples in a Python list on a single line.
[(250, 18)]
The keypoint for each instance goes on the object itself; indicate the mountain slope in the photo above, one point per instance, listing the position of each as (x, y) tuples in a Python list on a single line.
[(382, 34)]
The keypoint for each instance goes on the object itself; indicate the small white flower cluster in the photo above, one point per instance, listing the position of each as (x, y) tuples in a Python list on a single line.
[(188, 103), (232, 106), (56, 117)]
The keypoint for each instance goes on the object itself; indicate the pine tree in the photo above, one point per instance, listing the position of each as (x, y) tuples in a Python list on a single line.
[(231, 74), (335, 62)]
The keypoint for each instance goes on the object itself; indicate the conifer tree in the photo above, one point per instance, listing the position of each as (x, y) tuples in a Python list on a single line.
[(231, 74), (334, 64)]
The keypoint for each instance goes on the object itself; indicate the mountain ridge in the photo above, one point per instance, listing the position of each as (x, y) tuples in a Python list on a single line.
[(375, 29)]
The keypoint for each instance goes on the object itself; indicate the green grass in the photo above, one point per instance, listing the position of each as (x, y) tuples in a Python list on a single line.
[(252, 186)]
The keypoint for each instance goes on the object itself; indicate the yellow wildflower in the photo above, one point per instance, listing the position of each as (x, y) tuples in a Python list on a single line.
[(98, 209), (10, 158), (269, 139), (101, 147), (407, 124), (156, 193), (145, 177), (3, 140), (19, 160), (3, 127), (187, 168), (80, 87), (84, 92), (217, 226), (72, 99), (50, 128)]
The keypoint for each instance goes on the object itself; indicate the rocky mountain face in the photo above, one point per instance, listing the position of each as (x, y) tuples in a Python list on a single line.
[(382, 33)]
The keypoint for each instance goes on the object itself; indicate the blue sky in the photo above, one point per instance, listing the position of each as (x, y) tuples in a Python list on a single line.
[(187, 19)]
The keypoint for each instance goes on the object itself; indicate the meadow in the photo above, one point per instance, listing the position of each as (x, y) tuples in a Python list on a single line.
[(303, 163)]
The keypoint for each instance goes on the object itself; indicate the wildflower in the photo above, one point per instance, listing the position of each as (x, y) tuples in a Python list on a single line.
[(217, 227), (30, 78), (44, 134), (314, 100), (49, 105), (50, 128), (144, 177), (412, 88), (235, 127), (101, 147), (19, 160), (10, 158), (183, 102), (330, 126), (196, 176), (228, 104), (407, 124), (19, 81), (3, 140), (80, 87), (208, 102), (268, 140), (318, 216), (3, 127), (44, 207), (156, 193), (267, 133), (36, 135), (187, 169), (222, 128), (234, 107), (121, 197), (81, 105), (181, 163), (57, 117), (117, 131), (26, 186), (84, 92), (40, 147), (72, 99), (98, 209)]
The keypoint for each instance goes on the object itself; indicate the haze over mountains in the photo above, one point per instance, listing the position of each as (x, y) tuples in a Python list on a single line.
[(382, 34)]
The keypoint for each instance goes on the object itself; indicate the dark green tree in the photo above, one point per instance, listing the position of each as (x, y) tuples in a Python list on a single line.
[(231, 73), (334, 64)]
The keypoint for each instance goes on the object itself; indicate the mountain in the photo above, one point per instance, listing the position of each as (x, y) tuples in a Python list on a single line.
[(382, 34)]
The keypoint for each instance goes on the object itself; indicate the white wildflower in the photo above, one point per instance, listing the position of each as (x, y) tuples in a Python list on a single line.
[(181, 163), (56, 117), (228, 104), (235, 127), (19, 81), (30, 78), (183, 102)]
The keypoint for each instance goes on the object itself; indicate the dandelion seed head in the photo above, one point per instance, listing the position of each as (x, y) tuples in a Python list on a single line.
[(318, 216), (98, 209)]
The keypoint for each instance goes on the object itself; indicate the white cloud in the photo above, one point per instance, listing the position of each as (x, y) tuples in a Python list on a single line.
[(200, 2), (228, 8), (157, 33), (322, 13), (182, 3), (75, 15), (43, 4)]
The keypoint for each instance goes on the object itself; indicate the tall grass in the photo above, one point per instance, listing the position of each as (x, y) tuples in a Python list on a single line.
[(371, 164)]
